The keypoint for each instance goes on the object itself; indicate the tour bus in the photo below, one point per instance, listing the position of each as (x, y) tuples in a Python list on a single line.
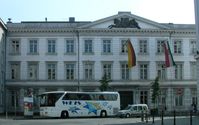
[(66, 104)]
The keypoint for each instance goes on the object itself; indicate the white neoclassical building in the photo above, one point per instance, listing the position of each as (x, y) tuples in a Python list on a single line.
[(74, 55)]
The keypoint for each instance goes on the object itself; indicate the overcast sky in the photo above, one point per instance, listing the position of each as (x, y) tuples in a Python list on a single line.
[(162, 11)]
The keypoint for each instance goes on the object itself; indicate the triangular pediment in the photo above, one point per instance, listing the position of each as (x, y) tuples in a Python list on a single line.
[(125, 20)]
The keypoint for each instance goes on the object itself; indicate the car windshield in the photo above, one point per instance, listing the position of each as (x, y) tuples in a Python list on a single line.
[(128, 107)]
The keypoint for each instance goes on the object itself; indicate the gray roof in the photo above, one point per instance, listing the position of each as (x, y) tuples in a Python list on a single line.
[(179, 26), (45, 25)]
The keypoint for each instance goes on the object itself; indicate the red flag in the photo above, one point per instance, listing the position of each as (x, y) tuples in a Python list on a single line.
[(168, 55)]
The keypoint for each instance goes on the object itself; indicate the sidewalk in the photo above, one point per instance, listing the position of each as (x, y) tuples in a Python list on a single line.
[(180, 120)]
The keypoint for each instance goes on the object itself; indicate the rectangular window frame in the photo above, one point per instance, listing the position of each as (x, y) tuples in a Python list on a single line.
[(15, 70), (51, 46), (160, 48), (70, 46), (106, 46), (124, 49), (70, 71), (125, 72), (33, 46), (143, 46), (144, 69), (161, 71), (178, 71), (88, 46), (193, 48), (89, 70), (51, 68), (15, 47), (35, 71), (107, 69), (177, 46)]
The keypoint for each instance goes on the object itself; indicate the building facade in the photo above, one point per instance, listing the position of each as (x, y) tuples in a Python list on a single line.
[(75, 55), (2, 64)]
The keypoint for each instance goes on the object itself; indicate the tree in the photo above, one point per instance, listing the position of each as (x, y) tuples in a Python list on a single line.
[(155, 89), (155, 92), (104, 83)]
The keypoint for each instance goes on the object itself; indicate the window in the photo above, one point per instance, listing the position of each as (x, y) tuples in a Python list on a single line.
[(51, 46), (51, 70), (70, 46), (177, 45), (124, 46), (106, 46), (88, 46), (143, 97), (15, 71), (124, 71), (14, 98), (194, 96), (70, 71), (143, 71), (193, 46), (107, 68), (15, 47), (143, 46), (88, 70), (33, 46), (161, 72), (160, 48), (193, 70), (179, 71), (179, 97), (162, 98), (32, 71)]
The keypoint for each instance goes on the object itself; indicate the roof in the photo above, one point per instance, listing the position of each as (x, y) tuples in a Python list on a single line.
[(2, 24), (98, 24)]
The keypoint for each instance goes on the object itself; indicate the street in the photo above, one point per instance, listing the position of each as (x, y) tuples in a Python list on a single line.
[(96, 121)]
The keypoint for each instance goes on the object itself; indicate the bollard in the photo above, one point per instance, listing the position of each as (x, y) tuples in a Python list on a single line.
[(146, 117), (142, 116), (153, 114), (162, 119), (191, 113), (174, 117)]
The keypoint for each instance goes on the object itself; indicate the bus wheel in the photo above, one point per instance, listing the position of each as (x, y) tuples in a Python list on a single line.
[(103, 114), (64, 114)]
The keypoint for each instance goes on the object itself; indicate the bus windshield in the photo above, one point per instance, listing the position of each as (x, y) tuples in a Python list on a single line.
[(49, 99)]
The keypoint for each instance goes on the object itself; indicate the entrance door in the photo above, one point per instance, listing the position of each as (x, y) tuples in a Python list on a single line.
[(126, 97)]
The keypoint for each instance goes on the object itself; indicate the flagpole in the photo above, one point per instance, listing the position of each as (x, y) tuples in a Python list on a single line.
[(169, 63), (171, 75)]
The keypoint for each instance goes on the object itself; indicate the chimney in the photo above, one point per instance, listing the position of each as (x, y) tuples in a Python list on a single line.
[(9, 20), (71, 19)]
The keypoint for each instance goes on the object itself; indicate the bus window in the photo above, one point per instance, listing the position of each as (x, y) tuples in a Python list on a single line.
[(84, 97), (101, 97), (49, 99), (71, 96)]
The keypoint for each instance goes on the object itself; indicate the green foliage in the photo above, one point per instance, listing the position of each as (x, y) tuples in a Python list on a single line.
[(155, 89), (104, 83)]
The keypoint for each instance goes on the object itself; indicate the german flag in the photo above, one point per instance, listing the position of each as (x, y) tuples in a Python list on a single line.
[(131, 54)]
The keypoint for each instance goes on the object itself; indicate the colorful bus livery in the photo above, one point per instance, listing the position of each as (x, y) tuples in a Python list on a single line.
[(79, 104)]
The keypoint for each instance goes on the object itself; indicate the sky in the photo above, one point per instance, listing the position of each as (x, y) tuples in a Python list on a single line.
[(161, 11)]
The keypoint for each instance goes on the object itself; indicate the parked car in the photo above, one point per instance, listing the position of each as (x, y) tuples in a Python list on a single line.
[(134, 110)]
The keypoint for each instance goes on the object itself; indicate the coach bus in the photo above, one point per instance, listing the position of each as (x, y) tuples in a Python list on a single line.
[(66, 104)]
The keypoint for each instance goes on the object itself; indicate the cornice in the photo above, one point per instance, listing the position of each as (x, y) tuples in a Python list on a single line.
[(101, 30)]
